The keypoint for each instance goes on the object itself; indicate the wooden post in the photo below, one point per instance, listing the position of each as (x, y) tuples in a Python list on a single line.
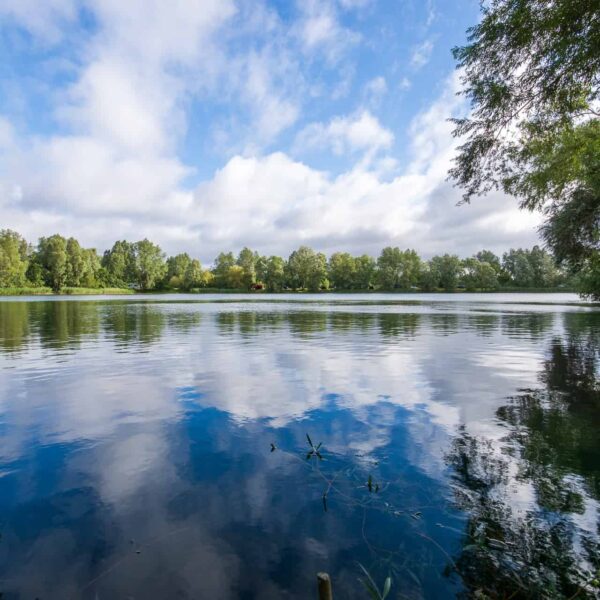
[(324, 584)]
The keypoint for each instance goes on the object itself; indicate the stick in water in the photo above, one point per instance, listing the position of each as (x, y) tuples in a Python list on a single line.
[(324, 583)]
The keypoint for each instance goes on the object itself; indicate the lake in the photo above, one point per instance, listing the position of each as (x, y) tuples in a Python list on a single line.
[(234, 446)]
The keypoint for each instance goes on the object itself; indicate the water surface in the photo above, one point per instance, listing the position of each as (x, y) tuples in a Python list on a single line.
[(156, 446)]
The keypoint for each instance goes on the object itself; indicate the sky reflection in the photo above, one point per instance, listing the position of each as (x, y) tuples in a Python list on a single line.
[(136, 461)]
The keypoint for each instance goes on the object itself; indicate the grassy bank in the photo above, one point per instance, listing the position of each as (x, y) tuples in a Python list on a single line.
[(68, 291), (511, 290)]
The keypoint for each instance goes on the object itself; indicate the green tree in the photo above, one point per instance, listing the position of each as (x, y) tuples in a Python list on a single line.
[(429, 279), (91, 271), (342, 270), (545, 273), (76, 263), (398, 269), (194, 275), (14, 259), (235, 278), (307, 269), (531, 69), (247, 260), (567, 180), (274, 274), (119, 263), (261, 267), (487, 256), (177, 267), (478, 275), (364, 272), (223, 263), (530, 268), (149, 264), (53, 259), (516, 264), (447, 270)]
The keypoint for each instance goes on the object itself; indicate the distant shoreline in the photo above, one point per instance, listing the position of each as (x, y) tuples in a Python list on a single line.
[(45, 291)]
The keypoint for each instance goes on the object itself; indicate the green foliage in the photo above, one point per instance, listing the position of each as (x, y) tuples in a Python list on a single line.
[(149, 264), (193, 277), (14, 259), (307, 269), (220, 271), (342, 271), (247, 261), (398, 269), (446, 271), (235, 278), (25, 291), (532, 72), (273, 273), (530, 268), (61, 263), (479, 275), (177, 267), (364, 275), (530, 68), (589, 278), (487, 256), (119, 263), (53, 260)]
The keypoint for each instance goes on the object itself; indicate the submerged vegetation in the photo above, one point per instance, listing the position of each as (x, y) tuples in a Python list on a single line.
[(62, 265)]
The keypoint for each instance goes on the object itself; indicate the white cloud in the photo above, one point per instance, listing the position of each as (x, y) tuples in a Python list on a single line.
[(361, 132), (273, 202), (45, 20), (319, 29), (421, 54), (115, 170)]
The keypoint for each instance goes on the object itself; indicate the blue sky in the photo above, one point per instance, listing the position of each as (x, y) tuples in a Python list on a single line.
[(208, 125)]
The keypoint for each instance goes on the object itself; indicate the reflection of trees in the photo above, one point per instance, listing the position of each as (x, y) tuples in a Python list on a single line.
[(226, 322), (399, 325), (484, 325), (183, 322), (444, 324), (553, 449), (134, 322), (14, 325), (529, 325), (348, 321), (62, 324), (305, 323)]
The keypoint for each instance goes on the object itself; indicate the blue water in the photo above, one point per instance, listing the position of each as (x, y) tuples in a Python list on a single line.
[(156, 446)]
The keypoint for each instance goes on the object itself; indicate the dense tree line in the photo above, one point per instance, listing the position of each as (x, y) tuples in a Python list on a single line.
[(57, 262)]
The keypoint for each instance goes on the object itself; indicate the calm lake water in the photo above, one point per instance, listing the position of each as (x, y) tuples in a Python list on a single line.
[(156, 447)]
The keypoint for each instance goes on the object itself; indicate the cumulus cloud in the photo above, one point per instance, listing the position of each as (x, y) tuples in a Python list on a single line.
[(114, 168), (361, 132)]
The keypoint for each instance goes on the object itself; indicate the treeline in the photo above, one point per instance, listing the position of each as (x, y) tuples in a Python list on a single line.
[(58, 262)]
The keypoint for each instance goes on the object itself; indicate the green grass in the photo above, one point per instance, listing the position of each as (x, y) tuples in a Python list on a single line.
[(69, 291), (76, 291), (25, 291)]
